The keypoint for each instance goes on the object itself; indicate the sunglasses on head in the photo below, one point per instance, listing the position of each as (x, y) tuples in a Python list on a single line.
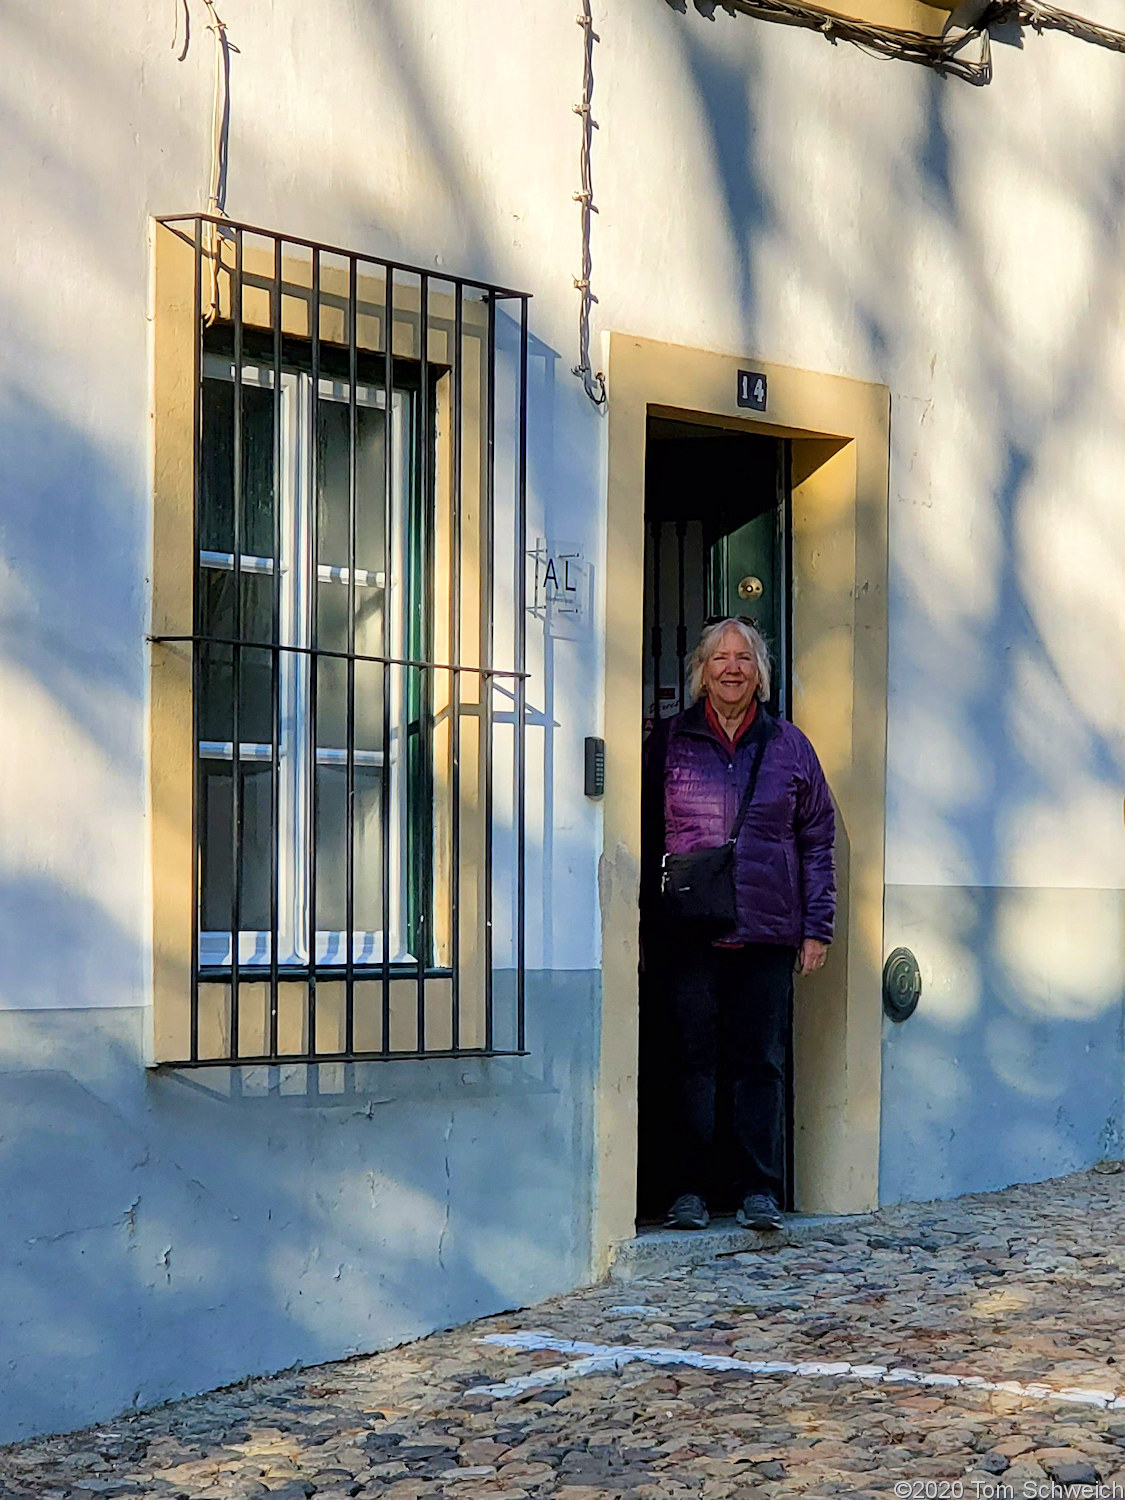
[(718, 620)]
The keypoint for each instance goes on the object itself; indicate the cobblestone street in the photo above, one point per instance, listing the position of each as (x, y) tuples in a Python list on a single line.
[(943, 1349)]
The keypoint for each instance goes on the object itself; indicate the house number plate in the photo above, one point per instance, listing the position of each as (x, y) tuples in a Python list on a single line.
[(752, 390)]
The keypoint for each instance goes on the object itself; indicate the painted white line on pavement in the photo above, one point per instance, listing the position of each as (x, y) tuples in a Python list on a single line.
[(597, 1358)]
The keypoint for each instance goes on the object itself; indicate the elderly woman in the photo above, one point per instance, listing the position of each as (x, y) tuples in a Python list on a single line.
[(731, 990)]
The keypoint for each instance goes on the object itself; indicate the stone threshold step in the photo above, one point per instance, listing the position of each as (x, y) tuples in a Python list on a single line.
[(656, 1250)]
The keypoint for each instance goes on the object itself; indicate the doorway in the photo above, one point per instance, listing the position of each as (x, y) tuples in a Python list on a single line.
[(838, 431), (717, 542)]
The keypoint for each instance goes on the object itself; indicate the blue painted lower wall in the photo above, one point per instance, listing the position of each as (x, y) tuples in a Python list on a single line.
[(167, 1233), (1011, 1069)]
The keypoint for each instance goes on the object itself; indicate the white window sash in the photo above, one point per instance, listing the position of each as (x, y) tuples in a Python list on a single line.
[(295, 750)]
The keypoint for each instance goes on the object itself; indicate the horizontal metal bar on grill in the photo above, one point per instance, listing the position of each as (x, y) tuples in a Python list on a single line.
[(325, 249), (390, 661), (369, 971), (266, 1060)]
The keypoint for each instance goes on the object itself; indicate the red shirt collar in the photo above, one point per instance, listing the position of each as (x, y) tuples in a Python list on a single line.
[(717, 724)]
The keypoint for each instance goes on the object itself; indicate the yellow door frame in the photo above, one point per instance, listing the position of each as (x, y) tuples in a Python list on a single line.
[(840, 433)]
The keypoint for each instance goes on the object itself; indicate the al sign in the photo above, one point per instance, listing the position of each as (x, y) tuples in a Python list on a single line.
[(562, 581)]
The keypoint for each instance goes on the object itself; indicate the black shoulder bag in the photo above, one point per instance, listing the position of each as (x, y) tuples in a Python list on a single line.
[(698, 888)]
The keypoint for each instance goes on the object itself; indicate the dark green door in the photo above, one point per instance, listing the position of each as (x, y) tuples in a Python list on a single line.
[(749, 575)]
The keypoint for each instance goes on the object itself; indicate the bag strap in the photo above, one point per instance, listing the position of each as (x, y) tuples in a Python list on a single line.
[(748, 795)]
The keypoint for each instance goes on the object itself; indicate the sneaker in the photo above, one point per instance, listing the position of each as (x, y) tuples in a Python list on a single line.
[(759, 1211), (688, 1212)]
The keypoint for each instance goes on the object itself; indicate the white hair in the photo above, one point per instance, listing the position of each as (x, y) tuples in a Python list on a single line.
[(713, 634)]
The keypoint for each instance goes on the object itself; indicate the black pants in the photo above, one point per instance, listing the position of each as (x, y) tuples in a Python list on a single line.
[(731, 1004)]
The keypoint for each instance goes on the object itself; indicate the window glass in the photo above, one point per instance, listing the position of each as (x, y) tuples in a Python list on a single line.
[(216, 694), (332, 704), (331, 852), (217, 851), (333, 423), (216, 511)]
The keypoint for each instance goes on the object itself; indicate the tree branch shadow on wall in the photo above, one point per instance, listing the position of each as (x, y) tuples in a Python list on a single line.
[(129, 1250), (174, 1233), (1012, 1066)]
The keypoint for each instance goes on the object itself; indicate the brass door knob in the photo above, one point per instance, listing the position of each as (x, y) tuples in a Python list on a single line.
[(750, 588)]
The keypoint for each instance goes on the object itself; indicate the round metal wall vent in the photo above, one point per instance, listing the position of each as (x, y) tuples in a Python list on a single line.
[(902, 984)]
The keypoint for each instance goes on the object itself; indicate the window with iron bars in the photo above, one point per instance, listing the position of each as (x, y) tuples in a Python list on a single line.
[(338, 654)]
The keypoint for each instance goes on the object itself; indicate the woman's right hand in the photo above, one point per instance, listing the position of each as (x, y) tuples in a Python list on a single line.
[(811, 956)]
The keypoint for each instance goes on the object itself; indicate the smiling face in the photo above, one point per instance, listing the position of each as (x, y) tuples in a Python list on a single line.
[(730, 674)]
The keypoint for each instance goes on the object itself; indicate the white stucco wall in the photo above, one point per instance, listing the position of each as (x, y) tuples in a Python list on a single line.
[(759, 191), (352, 124), (763, 191)]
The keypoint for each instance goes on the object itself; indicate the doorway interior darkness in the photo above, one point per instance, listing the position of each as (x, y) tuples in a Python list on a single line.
[(717, 542)]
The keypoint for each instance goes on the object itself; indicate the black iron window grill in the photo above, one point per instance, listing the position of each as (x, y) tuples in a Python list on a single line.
[(358, 691)]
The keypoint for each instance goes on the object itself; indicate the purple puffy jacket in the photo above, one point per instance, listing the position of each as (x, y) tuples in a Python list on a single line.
[(784, 876)]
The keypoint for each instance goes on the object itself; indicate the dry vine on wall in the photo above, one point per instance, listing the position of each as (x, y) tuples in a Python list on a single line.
[(593, 382), (220, 134)]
